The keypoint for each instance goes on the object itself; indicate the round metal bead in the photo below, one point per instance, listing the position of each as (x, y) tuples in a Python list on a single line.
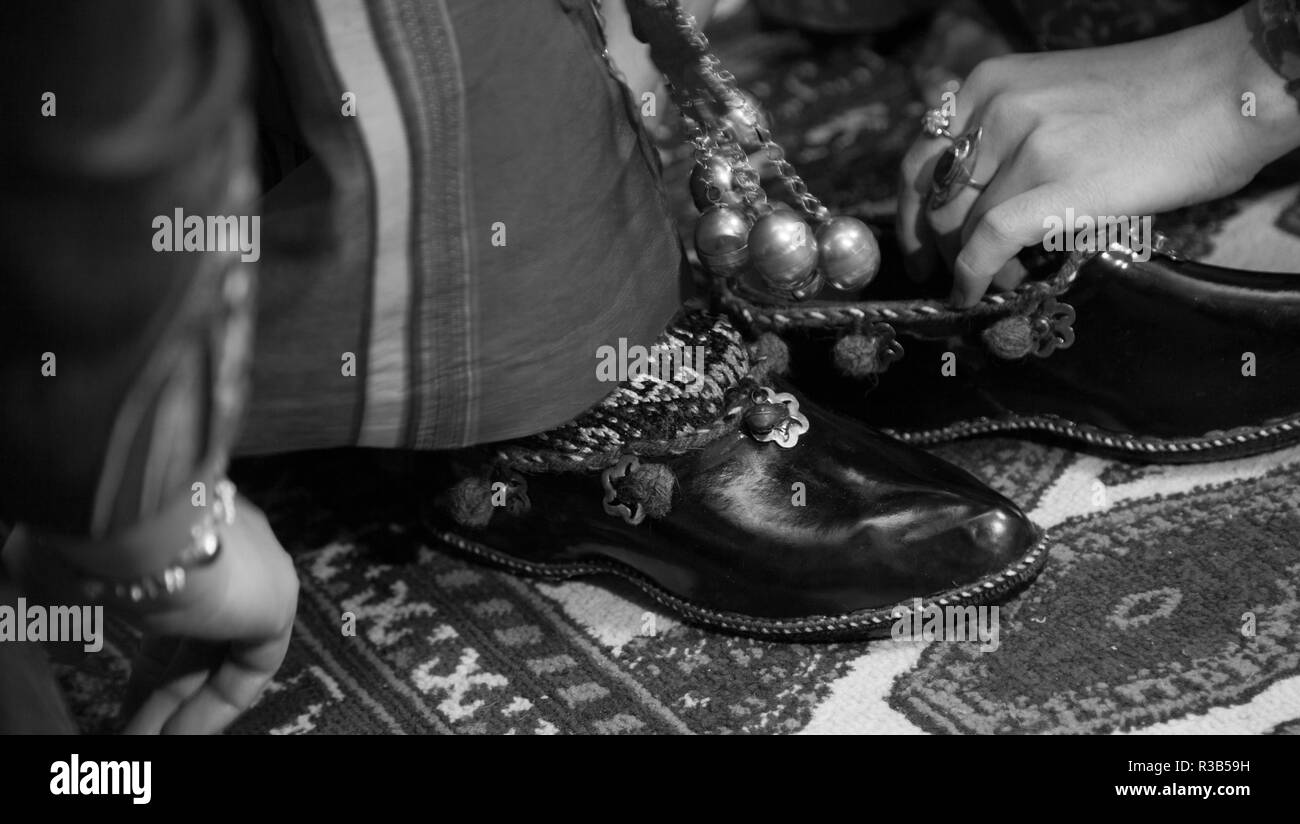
[(722, 241), (784, 253), (847, 252), (718, 170), (764, 417)]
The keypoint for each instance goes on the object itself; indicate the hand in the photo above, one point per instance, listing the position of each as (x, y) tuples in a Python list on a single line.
[(1131, 130), (210, 651)]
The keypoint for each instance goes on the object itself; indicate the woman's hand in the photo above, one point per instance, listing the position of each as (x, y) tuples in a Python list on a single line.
[(208, 651), (206, 662), (1132, 130)]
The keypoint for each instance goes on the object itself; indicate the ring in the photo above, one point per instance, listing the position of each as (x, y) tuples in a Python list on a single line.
[(954, 168), (934, 123)]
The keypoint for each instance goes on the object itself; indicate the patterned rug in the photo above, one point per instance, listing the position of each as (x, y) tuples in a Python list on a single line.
[(1136, 625), (1171, 602)]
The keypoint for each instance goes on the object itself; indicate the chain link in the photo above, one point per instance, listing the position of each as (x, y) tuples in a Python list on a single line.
[(711, 135)]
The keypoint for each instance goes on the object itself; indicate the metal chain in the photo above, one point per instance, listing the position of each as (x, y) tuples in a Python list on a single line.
[(713, 138), (727, 90), (716, 142), (806, 201)]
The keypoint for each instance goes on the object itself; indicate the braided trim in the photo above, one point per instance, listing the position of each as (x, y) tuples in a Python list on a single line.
[(870, 621), (902, 314), (1209, 444), (589, 460), (647, 415)]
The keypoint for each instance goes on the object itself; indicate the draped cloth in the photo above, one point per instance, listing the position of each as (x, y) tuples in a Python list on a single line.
[(459, 209), (487, 220)]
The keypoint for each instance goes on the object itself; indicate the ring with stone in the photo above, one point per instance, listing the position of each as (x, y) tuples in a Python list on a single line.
[(955, 168), (934, 123)]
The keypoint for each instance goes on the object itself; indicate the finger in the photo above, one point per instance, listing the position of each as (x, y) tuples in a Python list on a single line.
[(998, 178), (1010, 183), (189, 669), (232, 689), (999, 234), (920, 256), (946, 222), (937, 231)]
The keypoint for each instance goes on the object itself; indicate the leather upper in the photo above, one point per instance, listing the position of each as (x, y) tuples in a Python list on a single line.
[(1160, 350), (881, 523)]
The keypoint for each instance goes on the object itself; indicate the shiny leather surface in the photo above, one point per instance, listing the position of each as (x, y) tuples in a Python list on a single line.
[(883, 523), (1158, 351)]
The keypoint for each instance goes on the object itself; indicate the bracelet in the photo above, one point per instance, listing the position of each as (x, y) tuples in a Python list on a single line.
[(203, 549)]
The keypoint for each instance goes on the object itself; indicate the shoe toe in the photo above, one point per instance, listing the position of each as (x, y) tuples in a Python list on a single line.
[(924, 527)]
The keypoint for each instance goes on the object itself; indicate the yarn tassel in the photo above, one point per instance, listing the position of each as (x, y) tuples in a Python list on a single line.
[(770, 357), (1011, 338), (650, 485), (469, 502)]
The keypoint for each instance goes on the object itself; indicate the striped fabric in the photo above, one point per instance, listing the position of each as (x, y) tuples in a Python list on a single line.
[(488, 219), (348, 37)]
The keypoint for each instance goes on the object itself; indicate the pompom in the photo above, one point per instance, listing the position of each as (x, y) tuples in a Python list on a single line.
[(1010, 338), (857, 355), (650, 485), (770, 356), (470, 502)]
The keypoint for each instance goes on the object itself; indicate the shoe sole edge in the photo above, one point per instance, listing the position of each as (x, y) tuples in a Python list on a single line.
[(1237, 443), (857, 625)]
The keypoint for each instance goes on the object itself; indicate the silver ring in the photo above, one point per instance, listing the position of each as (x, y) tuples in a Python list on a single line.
[(934, 123), (955, 168)]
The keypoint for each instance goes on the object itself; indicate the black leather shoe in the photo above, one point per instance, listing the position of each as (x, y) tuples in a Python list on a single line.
[(1165, 360), (782, 521)]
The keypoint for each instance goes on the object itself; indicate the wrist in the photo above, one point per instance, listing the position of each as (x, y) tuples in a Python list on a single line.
[(156, 563)]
